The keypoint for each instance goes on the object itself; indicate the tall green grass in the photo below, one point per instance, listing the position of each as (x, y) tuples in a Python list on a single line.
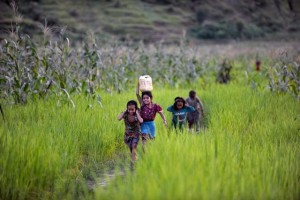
[(49, 149), (61, 143), (250, 150)]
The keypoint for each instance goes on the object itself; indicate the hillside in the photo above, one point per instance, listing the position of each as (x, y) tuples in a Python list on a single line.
[(155, 20)]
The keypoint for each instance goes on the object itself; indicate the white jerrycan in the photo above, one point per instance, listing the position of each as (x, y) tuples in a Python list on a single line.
[(145, 83)]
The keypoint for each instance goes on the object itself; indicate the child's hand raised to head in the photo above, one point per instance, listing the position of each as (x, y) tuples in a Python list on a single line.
[(139, 116)]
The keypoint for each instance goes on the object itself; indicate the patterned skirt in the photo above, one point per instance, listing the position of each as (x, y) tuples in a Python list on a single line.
[(131, 138)]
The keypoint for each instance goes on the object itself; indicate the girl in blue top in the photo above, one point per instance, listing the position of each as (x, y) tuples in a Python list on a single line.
[(179, 111)]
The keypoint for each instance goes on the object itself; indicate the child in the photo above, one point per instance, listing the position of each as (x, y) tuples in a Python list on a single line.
[(148, 113), (132, 120), (193, 118), (179, 111)]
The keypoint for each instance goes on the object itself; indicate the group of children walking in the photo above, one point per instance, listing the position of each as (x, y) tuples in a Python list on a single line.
[(139, 123)]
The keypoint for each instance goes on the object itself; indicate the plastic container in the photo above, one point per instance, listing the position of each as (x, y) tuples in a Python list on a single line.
[(145, 83)]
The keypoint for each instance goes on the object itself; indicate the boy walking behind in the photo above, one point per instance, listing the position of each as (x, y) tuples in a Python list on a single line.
[(194, 118)]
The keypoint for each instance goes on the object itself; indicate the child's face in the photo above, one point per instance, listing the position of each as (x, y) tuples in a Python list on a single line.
[(193, 95), (179, 104), (131, 109), (146, 99)]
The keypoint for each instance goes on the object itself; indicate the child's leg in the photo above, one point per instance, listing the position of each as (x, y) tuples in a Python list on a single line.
[(181, 126), (144, 140), (151, 130), (133, 151), (130, 145), (174, 125), (190, 124), (198, 125), (146, 131), (199, 122), (190, 121), (128, 142)]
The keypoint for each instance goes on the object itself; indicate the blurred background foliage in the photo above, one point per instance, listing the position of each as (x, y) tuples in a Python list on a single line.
[(70, 47), (155, 20)]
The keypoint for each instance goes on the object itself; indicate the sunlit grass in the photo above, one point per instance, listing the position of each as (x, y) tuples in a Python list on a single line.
[(249, 151), (61, 138), (44, 145)]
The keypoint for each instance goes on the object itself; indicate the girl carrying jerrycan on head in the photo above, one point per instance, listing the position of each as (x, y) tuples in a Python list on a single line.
[(148, 108), (132, 120)]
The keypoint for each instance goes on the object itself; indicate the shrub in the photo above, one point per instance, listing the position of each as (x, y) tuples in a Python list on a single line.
[(285, 78), (252, 31), (221, 30)]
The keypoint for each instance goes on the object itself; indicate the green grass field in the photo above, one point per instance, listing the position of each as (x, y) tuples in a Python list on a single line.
[(60, 137), (249, 150)]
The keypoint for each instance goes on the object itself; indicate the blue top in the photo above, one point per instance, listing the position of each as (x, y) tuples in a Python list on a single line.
[(180, 115)]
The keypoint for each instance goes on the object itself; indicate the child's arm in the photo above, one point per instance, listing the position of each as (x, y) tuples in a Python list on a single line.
[(200, 105), (120, 117), (137, 92), (190, 108), (187, 102), (139, 116), (163, 117), (170, 108)]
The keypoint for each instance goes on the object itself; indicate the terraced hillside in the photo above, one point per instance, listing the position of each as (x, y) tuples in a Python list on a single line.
[(153, 20)]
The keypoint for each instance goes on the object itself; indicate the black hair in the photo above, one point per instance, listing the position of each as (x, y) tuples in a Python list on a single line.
[(148, 93), (134, 103), (192, 94), (178, 99)]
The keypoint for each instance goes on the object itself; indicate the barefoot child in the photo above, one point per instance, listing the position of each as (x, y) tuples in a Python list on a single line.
[(148, 113), (179, 111), (132, 120)]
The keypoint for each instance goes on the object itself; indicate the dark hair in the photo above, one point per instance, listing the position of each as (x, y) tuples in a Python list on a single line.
[(133, 103), (148, 93), (178, 99), (192, 94)]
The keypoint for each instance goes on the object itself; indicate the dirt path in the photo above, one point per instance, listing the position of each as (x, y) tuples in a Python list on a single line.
[(111, 170)]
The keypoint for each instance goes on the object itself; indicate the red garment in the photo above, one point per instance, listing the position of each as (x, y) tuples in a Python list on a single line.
[(148, 114)]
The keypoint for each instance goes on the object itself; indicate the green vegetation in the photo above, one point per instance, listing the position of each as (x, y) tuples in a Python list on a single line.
[(47, 149), (155, 20), (249, 150), (60, 137), (37, 70)]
